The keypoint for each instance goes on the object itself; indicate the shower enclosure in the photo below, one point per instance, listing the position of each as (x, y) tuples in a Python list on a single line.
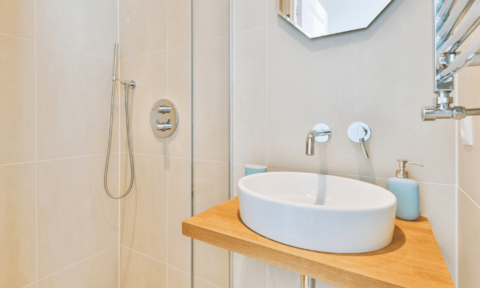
[(58, 227)]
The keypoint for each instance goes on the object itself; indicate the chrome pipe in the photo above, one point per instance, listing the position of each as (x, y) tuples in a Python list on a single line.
[(115, 62), (472, 112), (460, 61), (468, 24), (460, 8), (443, 110), (444, 7), (442, 15), (307, 282)]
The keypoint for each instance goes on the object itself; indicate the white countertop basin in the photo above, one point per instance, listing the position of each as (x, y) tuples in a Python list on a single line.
[(318, 212)]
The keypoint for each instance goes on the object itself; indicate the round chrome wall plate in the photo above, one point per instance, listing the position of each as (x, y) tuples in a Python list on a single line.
[(164, 118), (321, 127), (355, 132)]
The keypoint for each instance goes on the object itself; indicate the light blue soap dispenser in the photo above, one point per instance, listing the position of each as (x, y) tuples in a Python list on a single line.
[(406, 191)]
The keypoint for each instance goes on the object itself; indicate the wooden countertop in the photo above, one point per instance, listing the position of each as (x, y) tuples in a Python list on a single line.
[(413, 259)]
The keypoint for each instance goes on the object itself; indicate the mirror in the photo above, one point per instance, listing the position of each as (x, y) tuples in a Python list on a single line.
[(317, 18)]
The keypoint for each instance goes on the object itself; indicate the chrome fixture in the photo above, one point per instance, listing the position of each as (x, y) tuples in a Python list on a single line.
[(128, 85), (454, 23), (360, 132), (307, 282), (164, 126), (320, 133), (443, 110), (326, 17), (402, 172), (164, 109), (164, 118)]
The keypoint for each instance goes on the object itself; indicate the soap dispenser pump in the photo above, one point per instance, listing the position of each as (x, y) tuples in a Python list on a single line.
[(406, 191)]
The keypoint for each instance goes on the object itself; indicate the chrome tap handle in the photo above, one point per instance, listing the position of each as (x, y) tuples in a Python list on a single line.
[(164, 126), (164, 109), (360, 132), (365, 153), (324, 133)]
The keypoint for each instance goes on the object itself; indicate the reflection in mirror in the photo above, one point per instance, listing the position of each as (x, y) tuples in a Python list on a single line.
[(316, 18)]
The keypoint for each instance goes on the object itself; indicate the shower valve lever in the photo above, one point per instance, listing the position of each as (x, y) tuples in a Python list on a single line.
[(164, 109), (164, 126)]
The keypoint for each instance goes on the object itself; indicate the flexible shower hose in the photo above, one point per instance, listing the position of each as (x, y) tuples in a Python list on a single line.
[(132, 169)]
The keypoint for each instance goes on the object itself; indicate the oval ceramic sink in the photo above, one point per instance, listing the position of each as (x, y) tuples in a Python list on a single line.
[(318, 212)]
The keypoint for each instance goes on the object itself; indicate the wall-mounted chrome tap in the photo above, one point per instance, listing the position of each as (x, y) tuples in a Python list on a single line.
[(443, 110), (360, 132), (319, 133)]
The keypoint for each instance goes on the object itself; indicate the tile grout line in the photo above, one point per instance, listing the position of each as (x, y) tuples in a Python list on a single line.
[(266, 97), (354, 175), (232, 125), (456, 190), (159, 261), (216, 38), (36, 144), (476, 204), (155, 52), (266, 83), (168, 140), (73, 50), (59, 271), (208, 282), (262, 27), (119, 223), (72, 157), (26, 39)]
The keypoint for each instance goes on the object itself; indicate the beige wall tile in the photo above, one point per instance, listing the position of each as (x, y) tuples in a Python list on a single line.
[(179, 91), (238, 173), (178, 279), (210, 19), (33, 285), (100, 271), (199, 283), (17, 109), (179, 209), (468, 89), (272, 16), (438, 203), (89, 26), (282, 278), (73, 103), (150, 74), (250, 97), (137, 270), (210, 184), (211, 264), (307, 85), (178, 18), (210, 100), (249, 14), (143, 27), (17, 18), (324, 285), (249, 273), (17, 223), (76, 219), (144, 211), (113, 176), (468, 241)]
